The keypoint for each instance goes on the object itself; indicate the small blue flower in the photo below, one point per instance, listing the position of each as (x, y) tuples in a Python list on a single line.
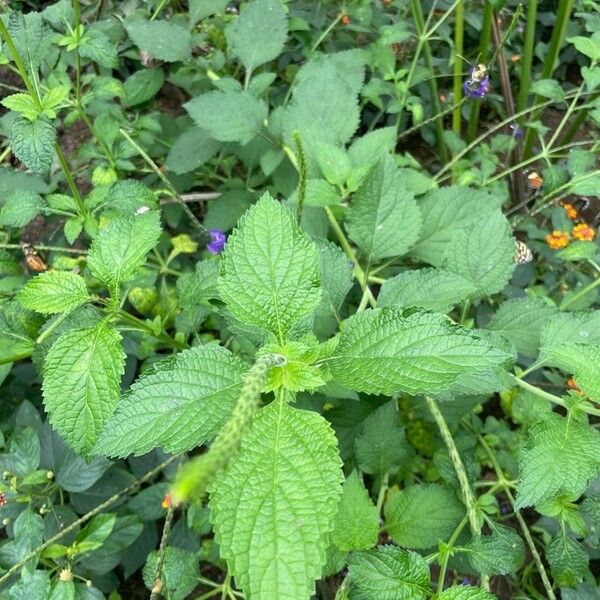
[(517, 132), (505, 510), (217, 241), (465, 581), (476, 89)]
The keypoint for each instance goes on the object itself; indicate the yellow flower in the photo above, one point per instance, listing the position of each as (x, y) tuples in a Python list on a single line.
[(583, 232), (570, 210), (557, 239)]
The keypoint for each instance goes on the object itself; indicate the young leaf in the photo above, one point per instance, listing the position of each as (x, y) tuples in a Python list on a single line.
[(164, 40), (20, 208), (191, 150), (180, 405), (121, 247), (388, 573), (97, 46), (270, 269), (384, 219), (23, 104), (382, 351), (31, 37), (262, 21), (562, 456), (82, 375), (429, 288), (54, 292), (421, 515), (484, 254), (568, 560), (333, 162), (232, 116), (464, 592), (279, 495), (33, 143), (143, 85), (500, 553), (356, 525)]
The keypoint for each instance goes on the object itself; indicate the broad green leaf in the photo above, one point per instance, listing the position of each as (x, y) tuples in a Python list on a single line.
[(97, 46), (161, 39), (381, 446), (25, 450), (178, 406), (571, 328), (356, 524), (320, 193), (429, 288), (548, 88), (500, 553), (82, 383), (143, 85), (388, 573), (20, 208), (333, 162), (191, 150), (232, 116), (520, 321), (180, 572), (23, 104), (382, 351), (270, 269), (561, 457), (484, 254), (581, 360), (578, 250), (125, 197), (371, 147), (200, 9), (421, 515), (464, 592), (590, 47), (445, 212), (121, 247), (31, 37), (33, 143), (568, 560), (34, 584), (27, 534), (273, 508), (54, 292), (383, 218), (258, 34), (95, 533)]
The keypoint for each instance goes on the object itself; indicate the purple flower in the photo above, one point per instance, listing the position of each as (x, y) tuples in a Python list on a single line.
[(517, 132), (476, 89), (217, 241), (466, 581), (505, 510)]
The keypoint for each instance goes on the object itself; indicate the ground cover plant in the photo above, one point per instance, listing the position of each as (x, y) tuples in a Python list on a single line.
[(299, 300)]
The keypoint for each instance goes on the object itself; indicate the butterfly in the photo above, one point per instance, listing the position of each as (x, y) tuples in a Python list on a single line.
[(523, 253), (33, 260)]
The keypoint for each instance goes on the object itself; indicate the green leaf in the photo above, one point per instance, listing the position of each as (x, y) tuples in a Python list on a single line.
[(371, 147), (125, 197), (164, 40), (388, 573), (270, 269), (356, 524), (500, 553), (23, 104), (421, 515), (273, 508), (320, 193), (54, 292), (97, 46), (31, 37), (381, 446), (232, 116), (446, 211), (382, 351), (383, 218), (578, 250), (121, 247), (561, 457), (200, 9), (180, 572), (20, 208), (568, 560), (82, 383), (429, 288), (571, 328), (484, 254), (95, 533), (333, 162), (178, 406), (464, 592), (590, 47), (262, 21), (33, 143), (520, 321), (143, 85), (548, 88), (191, 150)]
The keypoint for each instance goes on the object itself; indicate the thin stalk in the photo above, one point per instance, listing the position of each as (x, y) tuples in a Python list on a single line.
[(326, 32), (577, 122), (77, 17), (382, 491), (580, 294), (163, 337), (162, 549), (70, 180), (527, 57), (160, 6), (563, 15), (568, 113), (459, 31), (4, 154), (46, 248), (447, 551)]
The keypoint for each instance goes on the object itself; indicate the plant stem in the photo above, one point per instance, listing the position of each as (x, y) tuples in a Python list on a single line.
[(447, 551), (139, 324), (76, 524), (46, 248), (580, 294), (77, 17), (459, 30), (326, 33), (382, 491), (162, 549), (457, 463), (527, 57)]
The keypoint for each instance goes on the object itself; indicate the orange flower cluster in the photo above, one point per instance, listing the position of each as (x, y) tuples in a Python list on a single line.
[(557, 239), (570, 210), (583, 232)]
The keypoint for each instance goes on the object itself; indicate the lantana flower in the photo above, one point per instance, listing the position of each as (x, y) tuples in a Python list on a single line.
[(557, 239), (583, 232), (570, 210)]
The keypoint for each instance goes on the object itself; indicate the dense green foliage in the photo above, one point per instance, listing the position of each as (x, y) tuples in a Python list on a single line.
[(296, 302)]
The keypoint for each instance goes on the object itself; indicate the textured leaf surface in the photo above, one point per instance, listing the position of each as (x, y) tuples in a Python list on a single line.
[(33, 143), (429, 288), (191, 150), (388, 573), (446, 211), (562, 456), (121, 247), (500, 553), (97, 46), (31, 37), (82, 375), (270, 269), (179, 406), (199, 9), (484, 254), (356, 525), (464, 592), (161, 39), (54, 292), (572, 328), (232, 116), (520, 321), (258, 34), (419, 516), (582, 360), (274, 506), (568, 560), (20, 208), (383, 218), (143, 85), (381, 351)]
